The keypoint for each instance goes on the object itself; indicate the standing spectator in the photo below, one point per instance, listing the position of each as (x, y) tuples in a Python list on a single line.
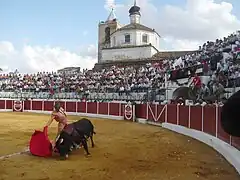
[(196, 84)]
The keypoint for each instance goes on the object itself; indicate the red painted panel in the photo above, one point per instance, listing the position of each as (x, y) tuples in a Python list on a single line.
[(2, 104), (196, 117), (81, 107), (27, 105), (141, 111), (48, 105), (151, 112), (209, 120), (9, 104), (62, 103), (114, 109), (92, 107), (36, 105), (236, 142), (71, 106), (172, 113), (161, 111), (221, 133), (183, 115), (103, 108)]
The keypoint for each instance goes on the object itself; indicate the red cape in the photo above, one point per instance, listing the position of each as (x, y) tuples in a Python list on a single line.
[(40, 144)]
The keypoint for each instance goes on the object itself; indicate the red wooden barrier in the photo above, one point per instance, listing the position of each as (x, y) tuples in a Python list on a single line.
[(2, 104), (9, 104), (172, 116), (27, 105), (205, 119), (103, 108), (114, 109), (92, 107), (183, 116), (209, 124), (196, 118), (81, 107), (221, 134)]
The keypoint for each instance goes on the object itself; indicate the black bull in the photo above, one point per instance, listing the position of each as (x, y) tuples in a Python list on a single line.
[(230, 115), (75, 133)]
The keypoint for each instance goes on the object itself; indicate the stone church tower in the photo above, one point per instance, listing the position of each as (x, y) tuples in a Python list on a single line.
[(105, 29)]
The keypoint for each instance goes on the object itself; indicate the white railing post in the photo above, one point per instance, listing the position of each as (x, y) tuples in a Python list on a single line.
[(189, 116), (177, 114), (97, 107), (23, 104), (166, 115), (76, 105), (202, 118), (108, 109), (155, 115), (120, 109), (147, 112), (42, 105), (31, 105), (216, 109)]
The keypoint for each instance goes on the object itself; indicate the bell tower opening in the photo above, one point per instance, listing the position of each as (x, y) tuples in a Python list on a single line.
[(107, 35)]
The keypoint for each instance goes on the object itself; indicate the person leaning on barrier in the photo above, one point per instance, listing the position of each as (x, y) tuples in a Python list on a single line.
[(204, 91), (218, 90)]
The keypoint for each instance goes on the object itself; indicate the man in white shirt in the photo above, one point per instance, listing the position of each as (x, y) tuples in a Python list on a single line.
[(204, 91), (218, 90)]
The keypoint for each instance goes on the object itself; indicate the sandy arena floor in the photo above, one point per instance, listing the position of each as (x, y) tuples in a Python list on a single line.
[(124, 151)]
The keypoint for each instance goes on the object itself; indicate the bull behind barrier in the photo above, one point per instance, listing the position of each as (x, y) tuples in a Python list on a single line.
[(230, 115)]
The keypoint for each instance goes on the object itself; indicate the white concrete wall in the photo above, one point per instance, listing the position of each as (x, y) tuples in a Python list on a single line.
[(231, 154), (136, 38), (127, 53)]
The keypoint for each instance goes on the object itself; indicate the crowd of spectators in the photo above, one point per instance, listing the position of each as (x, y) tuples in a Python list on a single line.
[(218, 59)]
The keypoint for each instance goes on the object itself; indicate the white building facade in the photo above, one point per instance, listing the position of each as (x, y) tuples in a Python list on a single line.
[(133, 41)]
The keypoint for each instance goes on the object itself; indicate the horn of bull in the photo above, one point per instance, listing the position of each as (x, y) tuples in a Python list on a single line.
[(230, 115)]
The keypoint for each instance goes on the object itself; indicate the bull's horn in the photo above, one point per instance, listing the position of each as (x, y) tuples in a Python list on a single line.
[(230, 115)]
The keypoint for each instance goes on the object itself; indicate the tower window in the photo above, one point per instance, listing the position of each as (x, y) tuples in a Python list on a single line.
[(145, 38), (114, 41), (127, 38), (107, 35)]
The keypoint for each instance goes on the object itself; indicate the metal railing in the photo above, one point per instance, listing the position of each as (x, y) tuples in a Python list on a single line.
[(90, 97)]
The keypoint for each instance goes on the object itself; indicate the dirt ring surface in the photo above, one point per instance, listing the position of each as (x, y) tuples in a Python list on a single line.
[(124, 151)]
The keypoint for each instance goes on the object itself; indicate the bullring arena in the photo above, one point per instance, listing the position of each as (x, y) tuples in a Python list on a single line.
[(124, 149)]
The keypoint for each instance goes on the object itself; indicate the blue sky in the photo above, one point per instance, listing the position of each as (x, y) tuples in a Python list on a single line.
[(72, 24), (58, 22)]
